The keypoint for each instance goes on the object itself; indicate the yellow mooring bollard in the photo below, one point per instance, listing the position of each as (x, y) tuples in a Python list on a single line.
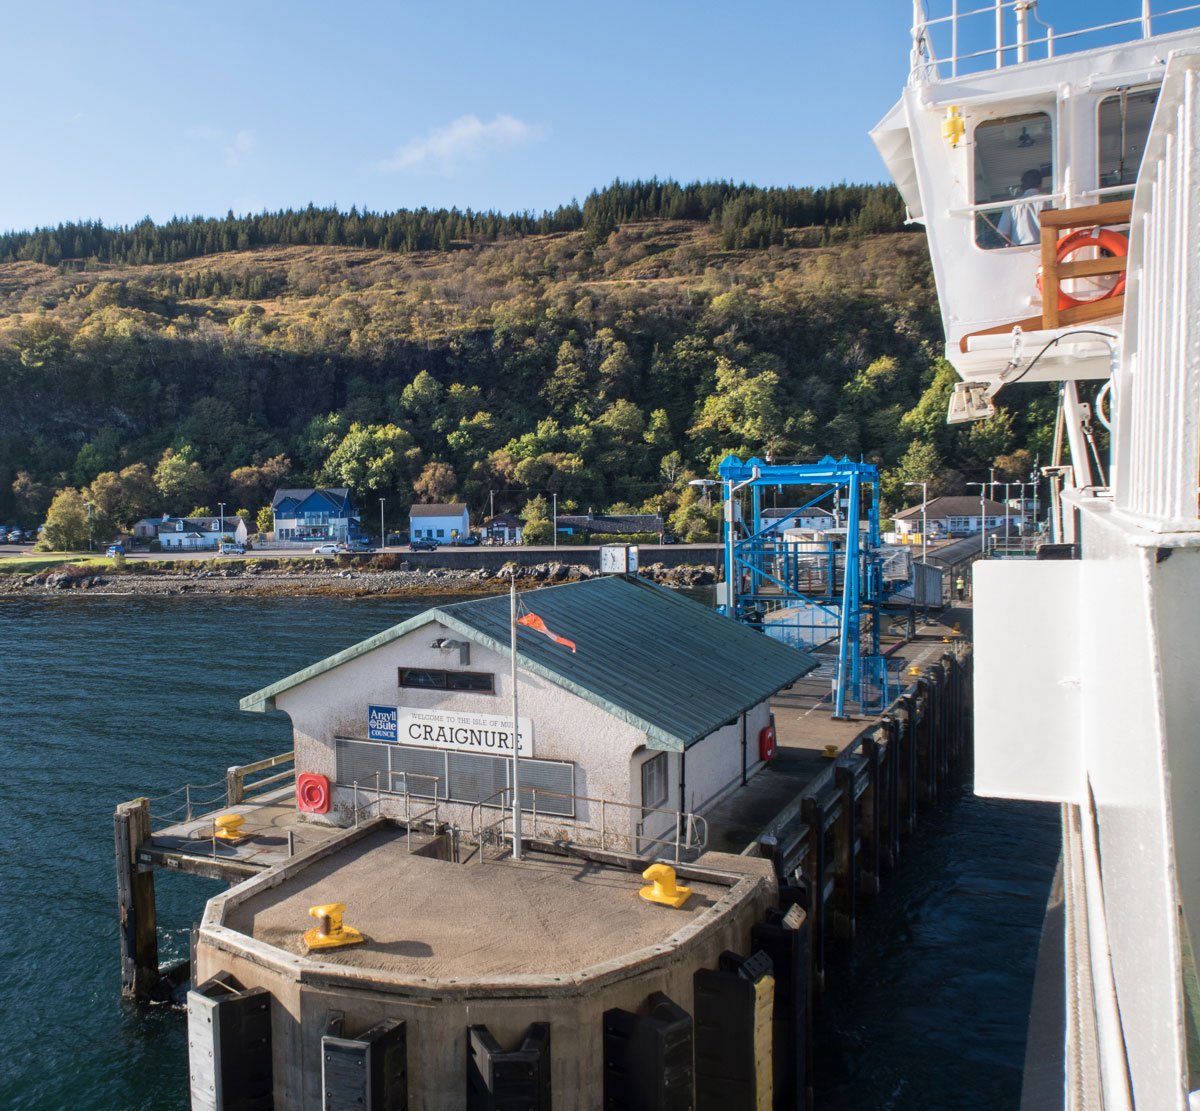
[(663, 888), (229, 828), (831, 752), (914, 670), (330, 932)]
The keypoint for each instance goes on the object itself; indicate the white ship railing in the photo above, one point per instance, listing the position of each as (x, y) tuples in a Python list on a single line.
[(973, 35), (1158, 390)]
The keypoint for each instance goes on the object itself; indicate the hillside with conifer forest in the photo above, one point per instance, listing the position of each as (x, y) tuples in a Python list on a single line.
[(605, 352)]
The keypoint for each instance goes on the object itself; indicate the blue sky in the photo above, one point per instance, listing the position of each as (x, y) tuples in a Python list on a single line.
[(122, 110)]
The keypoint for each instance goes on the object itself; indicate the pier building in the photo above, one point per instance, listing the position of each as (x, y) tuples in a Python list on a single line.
[(660, 707)]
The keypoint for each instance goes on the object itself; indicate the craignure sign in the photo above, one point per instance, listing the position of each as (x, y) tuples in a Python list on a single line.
[(455, 729)]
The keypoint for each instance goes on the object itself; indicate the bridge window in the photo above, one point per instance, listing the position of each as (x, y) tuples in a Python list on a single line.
[(1124, 124), (1014, 161)]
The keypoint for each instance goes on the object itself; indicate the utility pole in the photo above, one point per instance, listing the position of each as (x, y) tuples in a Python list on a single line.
[(924, 520), (982, 516), (516, 725), (222, 507), (554, 515), (491, 503), (382, 532)]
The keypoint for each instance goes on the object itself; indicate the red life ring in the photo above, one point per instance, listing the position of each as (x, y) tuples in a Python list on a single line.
[(766, 742), (1112, 243), (312, 793)]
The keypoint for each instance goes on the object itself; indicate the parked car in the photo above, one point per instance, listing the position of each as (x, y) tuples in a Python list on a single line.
[(670, 538), (14, 537), (326, 549), (114, 550), (423, 544), (231, 549), (468, 541)]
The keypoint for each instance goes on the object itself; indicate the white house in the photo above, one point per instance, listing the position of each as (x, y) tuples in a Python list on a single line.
[(441, 521), (662, 707), (192, 534), (951, 516), (813, 519)]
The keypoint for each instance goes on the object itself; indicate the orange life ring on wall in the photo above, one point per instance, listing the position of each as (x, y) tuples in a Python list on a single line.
[(766, 742), (1112, 243), (312, 793)]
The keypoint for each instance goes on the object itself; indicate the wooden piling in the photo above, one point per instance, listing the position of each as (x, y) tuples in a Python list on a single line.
[(135, 902)]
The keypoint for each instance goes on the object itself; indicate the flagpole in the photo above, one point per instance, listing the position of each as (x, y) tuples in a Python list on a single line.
[(516, 767)]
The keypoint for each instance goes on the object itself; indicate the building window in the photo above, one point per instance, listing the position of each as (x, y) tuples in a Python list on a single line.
[(433, 679), (1014, 161), (1124, 124), (654, 781), (441, 533)]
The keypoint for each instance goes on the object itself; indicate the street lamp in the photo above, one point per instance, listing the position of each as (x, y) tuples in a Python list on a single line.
[(382, 533), (705, 484), (222, 507), (982, 517), (730, 490), (924, 521)]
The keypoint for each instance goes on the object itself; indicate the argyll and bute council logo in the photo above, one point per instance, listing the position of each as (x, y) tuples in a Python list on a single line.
[(382, 723)]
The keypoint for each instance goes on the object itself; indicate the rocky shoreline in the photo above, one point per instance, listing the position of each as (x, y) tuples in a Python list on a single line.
[(351, 578)]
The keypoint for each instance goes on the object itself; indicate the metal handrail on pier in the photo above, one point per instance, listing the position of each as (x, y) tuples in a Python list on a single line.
[(691, 830)]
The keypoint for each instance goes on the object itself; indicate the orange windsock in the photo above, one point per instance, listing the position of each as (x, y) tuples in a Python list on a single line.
[(535, 622)]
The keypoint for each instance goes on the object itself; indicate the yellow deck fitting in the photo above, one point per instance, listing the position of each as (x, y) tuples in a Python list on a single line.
[(662, 887), (957, 628), (330, 932), (229, 828), (913, 669), (831, 752)]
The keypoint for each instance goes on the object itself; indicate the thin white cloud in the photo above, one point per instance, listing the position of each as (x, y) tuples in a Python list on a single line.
[(234, 149), (466, 139), (241, 145)]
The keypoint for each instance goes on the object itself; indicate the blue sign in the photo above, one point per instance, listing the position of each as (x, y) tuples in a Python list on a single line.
[(382, 723)]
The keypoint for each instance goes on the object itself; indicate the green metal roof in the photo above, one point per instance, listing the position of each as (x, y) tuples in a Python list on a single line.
[(668, 665)]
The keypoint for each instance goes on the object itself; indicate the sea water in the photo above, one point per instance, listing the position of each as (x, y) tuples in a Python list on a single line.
[(106, 698)]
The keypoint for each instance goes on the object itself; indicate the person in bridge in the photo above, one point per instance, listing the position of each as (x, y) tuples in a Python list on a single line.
[(959, 586), (1021, 224)]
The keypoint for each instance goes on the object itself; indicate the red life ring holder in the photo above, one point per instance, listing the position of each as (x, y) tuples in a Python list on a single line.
[(312, 793), (766, 742), (1110, 242)]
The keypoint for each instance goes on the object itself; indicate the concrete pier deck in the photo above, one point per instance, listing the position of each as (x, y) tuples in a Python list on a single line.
[(435, 920), (804, 725)]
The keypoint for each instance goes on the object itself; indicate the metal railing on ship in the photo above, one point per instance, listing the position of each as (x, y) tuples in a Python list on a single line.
[(690, 831), (970, 39)]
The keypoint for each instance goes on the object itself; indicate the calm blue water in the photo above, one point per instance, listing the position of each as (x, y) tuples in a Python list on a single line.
[(103, 699), (929, 1008)]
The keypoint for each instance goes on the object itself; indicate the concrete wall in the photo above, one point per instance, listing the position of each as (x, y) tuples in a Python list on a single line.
[(493, 558), (437, 1021)]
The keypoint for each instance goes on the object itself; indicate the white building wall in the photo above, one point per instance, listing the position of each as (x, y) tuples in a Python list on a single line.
[(441, 528), (566, 727)]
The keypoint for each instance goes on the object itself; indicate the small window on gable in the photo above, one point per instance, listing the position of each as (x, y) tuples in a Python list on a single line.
[(1124, 124), (1014, 165)]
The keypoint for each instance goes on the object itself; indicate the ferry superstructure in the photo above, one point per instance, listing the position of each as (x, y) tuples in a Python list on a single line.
[(1054, 165)]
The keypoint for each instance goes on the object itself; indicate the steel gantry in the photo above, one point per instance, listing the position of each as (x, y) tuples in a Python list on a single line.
[(814, 586)]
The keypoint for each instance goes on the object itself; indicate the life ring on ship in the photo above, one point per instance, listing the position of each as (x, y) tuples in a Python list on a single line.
[(312, 793), (1112, 243), (766, 742)]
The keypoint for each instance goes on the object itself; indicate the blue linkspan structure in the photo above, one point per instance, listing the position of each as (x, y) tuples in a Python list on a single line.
[(807, 592)]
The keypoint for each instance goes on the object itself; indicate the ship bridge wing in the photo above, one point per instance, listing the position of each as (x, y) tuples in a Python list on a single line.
[(894, 143)]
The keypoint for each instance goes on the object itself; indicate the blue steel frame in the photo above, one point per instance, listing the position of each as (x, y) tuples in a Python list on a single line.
[(771, 572)]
